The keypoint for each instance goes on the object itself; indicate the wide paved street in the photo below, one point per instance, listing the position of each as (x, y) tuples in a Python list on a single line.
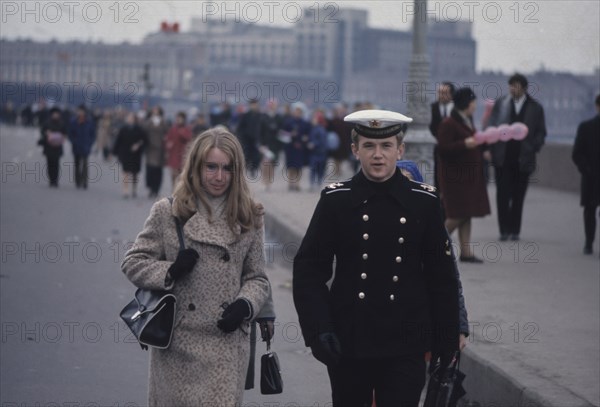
[(534, 306), (61, 289)]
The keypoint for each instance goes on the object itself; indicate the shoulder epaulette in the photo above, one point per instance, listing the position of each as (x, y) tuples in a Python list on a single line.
[(337, 186), (425, 188)]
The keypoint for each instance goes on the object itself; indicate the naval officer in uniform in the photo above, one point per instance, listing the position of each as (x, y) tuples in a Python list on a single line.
[(393, 294)]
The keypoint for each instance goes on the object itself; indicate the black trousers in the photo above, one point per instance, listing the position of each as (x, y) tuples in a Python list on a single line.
[(589, 223), (53, 169), (511, 186), (396, 381), (81, 170), (154, 176)]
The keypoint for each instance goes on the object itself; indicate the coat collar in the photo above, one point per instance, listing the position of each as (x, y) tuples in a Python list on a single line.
[(460, 120), (400, 190), (201, 229)]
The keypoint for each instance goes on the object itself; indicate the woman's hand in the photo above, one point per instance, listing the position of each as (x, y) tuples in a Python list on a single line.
[(184, 263), (267, 328), (470, 142), (234, 315)]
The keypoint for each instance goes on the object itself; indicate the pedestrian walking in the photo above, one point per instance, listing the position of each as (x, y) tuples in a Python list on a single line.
[(248, 131), (82, 134), (53, 134), (297, 130), (394, 294), (104, 140), (317, 149), (343, 130), (178, 137), (156, 130), (219, 279), (270, 145), (461, 173), (128, 148), (586, 155), (515, 160)]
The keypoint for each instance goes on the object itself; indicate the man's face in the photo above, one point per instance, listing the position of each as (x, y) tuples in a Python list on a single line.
[(378, 156), (444, 95), (516, 90)]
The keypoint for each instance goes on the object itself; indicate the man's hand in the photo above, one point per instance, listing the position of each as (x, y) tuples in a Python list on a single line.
[(326, 349), (462, 342)]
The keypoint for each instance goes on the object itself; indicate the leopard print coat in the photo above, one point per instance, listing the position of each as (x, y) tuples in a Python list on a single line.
[(203, 365)]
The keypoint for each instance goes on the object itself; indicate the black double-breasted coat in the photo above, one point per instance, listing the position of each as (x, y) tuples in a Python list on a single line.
[(394, 290)]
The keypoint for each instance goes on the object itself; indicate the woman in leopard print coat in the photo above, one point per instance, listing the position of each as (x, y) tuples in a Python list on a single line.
[(207, 360)]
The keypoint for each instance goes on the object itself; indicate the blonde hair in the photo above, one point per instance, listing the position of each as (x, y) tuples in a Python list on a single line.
[(240, 209)]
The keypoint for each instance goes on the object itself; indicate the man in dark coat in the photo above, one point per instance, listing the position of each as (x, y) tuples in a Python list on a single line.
[(586, 155), (440, 110), (515, 160), (82, 134), (248, 132), (394, 294)]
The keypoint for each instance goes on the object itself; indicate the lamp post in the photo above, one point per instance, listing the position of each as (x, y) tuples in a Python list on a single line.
[(419, 141)]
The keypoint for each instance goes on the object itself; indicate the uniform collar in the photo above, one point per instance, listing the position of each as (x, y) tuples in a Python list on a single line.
[(363, 189)]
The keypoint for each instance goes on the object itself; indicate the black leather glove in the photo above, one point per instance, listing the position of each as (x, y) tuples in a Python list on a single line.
[(184, 263), (326, 349), (267, 328), (234, 315), (442, 360)]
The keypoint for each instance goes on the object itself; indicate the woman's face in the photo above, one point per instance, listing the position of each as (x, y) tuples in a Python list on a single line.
[(471, 108), (217, 172)]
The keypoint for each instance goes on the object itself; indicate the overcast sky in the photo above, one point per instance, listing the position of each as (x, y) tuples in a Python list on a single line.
[(511, 35)]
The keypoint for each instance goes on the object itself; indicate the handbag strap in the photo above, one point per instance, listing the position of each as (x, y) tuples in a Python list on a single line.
[(268, 345), (179, 228)]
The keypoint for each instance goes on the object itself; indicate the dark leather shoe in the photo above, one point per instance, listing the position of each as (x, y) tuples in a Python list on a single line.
[(514, 238), (471, 259), (588, 249), (503, 237)]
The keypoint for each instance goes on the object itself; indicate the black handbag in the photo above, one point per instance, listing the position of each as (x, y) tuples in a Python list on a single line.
[(151, 314), (445, 385), (151, 317), (270, 373)]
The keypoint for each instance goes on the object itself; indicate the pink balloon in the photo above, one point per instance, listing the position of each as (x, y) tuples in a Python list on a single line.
[(505, 133), (480, 137), (492, 134), (519, 131)]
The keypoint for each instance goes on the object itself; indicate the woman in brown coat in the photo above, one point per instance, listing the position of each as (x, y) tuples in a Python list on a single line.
[(462, 182), (219, 279)]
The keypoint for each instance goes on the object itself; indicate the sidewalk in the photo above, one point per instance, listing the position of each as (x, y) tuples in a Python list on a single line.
[(534, 306)]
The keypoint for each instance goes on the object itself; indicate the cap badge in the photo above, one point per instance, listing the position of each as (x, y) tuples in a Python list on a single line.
[(375, 123)]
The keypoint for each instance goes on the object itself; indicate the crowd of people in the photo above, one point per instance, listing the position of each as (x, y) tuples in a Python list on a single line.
[(271, 135), (292, 138)]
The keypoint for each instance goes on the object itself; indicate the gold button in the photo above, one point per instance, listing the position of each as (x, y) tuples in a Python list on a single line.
[(361, 295), (403, 220), (363, 276), (365, 217), (366, 236), (395, 279), (365, 256), (392, 297), (401, 240), (398, 259)]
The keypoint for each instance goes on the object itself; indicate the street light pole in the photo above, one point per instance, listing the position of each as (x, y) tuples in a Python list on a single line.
[(419, 141)]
